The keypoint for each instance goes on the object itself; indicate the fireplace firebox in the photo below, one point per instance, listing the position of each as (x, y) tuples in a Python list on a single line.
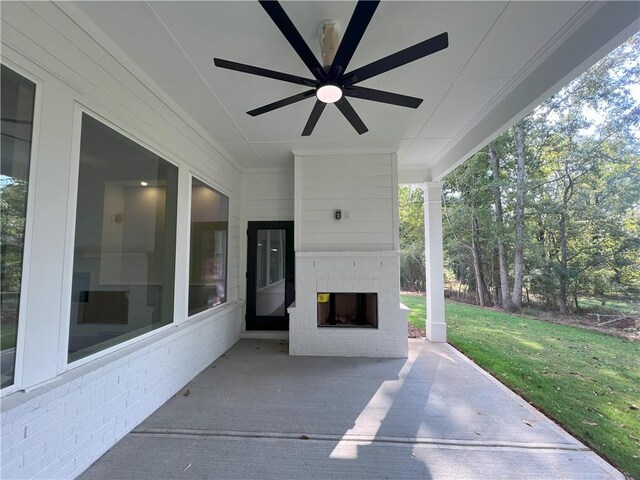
[(351, 310)]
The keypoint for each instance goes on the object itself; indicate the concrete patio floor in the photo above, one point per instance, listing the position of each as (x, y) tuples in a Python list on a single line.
[(256, 412)]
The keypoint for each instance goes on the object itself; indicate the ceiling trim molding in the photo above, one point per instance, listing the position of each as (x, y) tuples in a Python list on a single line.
[(268, 169), (307, 152)]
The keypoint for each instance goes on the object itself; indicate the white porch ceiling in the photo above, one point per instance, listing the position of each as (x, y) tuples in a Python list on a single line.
[(497, 50)]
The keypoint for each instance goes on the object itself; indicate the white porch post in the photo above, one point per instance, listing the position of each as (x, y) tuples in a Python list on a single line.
[(434, 260)]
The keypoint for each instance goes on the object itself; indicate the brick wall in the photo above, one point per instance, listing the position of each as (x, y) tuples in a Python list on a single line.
[(59, 429), (369, 272)]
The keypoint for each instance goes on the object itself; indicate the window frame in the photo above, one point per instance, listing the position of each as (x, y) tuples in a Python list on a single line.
[(124, 129), (28, 226), (193, 174)]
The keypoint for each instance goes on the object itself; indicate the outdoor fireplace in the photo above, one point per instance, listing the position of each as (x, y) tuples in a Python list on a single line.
[(350, 310), (347, 260)]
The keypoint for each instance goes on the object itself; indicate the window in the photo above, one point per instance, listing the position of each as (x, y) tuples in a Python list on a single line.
[(124, 253), (208, 263), (18, 97)]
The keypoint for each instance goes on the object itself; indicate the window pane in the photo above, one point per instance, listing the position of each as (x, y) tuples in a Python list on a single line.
[(276, 253), (208, 265), (270, 285), (124, 257), (261, 259), (18, 96)]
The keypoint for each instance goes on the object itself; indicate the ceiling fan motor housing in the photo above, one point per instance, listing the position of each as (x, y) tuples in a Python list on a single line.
[(329, 42)]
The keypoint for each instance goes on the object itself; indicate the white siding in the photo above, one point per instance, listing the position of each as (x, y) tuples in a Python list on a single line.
[(362, 187), (82, 411), (267, 194)]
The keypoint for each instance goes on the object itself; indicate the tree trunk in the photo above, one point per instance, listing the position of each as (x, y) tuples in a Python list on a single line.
[(562, 294), (481, 286), (562, 237), (495, 283), (502, 251), (516, 295)]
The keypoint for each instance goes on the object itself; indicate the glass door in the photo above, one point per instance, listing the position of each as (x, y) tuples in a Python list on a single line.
[(270, 275)]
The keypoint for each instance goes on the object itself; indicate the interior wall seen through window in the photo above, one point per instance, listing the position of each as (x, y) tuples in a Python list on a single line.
[(208, 255), (125, 241)]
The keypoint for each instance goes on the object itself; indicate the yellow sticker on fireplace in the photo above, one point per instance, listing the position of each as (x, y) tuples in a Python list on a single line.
[(323, 297)]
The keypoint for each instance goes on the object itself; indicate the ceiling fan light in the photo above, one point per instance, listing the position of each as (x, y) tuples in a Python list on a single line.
[(329, 93)]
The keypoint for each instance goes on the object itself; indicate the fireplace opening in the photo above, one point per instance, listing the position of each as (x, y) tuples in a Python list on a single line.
[(359, 310)]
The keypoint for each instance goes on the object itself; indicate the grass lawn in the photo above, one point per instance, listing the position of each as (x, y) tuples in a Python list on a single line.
[(7, 336), (586, 381), (614, 306)]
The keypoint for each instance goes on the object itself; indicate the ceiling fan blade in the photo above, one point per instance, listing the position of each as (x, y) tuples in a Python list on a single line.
[(263, 72), (353, 34), (350, 114), (408, 55), (290, 32), (382, 96), (318, 108), (282, 103)]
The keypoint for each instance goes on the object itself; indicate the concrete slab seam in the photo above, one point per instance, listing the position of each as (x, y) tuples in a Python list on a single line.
[(189, 433)]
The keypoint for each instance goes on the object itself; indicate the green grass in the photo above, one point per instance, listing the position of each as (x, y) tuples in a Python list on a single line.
[(584, 380), (613, 306), (7, 336)]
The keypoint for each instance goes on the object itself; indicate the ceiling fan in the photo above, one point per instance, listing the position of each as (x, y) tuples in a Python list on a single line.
[(332, 83)]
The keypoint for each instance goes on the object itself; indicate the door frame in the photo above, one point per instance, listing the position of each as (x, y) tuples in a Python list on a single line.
[(269, 323)]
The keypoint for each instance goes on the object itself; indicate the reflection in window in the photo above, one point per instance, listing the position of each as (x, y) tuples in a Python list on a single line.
[(208, 263), (18, 96), (124, 256), (270, 273), (270, 257), (276, 256)]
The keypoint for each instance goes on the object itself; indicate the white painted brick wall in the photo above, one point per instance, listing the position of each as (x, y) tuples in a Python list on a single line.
[(372, 272), (59, 429)]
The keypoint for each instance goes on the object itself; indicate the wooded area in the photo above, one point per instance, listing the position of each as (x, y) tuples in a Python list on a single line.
[(549, 212)]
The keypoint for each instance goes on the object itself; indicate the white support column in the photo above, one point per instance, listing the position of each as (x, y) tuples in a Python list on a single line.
[(434, 260)]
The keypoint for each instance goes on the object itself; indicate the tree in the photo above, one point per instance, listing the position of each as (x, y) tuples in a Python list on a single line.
[(468, 219), (558, 194), (505, 298), (518, 263), (588, 127), (412, 249)]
